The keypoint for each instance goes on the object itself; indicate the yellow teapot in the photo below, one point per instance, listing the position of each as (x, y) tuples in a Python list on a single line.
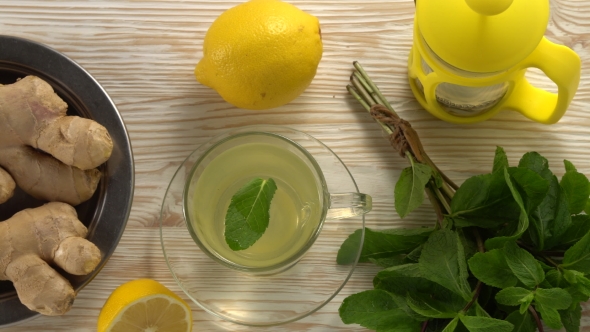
[(469, 59)]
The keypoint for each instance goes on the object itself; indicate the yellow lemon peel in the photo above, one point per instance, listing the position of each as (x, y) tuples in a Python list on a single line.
[(144, 305), (261, 54)]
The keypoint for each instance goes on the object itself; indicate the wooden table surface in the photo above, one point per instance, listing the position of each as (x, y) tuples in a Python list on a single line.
[(143, 52)]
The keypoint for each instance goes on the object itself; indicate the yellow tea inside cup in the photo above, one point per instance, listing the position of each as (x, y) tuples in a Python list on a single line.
[(296, 209)]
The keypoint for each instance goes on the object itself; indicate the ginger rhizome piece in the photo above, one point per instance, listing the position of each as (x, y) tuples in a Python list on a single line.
[(7, 186), (30, 240), (33, 119)]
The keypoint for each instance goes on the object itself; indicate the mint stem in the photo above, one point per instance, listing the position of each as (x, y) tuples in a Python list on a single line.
[(437, 207), (367, 107), (537, 319), (424, 326), (480, 248), (475, 296), (538, 253), (443, 201), (368, 94), (379, 98), (480, 245)]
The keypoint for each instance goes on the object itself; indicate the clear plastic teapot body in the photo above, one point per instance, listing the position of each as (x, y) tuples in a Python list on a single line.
[(462, 96), (461, 100)]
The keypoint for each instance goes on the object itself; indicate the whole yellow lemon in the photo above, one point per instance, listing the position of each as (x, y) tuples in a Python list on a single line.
[(261, 54)]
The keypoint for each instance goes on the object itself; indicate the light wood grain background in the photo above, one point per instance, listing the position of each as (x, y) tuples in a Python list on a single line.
[(143, 53)]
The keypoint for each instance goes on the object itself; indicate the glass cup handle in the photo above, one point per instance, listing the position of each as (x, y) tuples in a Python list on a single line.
[(347, 205)]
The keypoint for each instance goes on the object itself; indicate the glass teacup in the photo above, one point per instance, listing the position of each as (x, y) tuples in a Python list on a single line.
[(291, 270)]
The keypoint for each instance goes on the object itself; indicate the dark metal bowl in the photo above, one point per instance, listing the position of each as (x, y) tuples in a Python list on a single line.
[(106, 213)]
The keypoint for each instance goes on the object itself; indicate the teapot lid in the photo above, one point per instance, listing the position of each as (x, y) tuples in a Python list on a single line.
[(482, 35)]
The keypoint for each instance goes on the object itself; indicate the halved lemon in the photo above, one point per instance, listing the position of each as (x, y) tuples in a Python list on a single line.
[(144, 305)]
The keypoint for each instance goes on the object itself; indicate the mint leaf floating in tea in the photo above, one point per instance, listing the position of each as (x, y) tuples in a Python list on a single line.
[(248, 213)]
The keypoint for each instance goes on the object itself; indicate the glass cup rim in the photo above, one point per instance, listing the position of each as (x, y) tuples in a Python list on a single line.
[(225, 137)]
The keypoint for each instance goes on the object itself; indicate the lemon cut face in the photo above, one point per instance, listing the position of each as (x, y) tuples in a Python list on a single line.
[(261, 54), (144, 305)]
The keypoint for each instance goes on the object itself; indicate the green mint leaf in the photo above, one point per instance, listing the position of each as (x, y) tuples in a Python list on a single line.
[(587, 207), (248, 213), (543, 215), (491, 269), (381, 243), (452, 325), (485, 324), (349, 249), (402, 279), (500, 160), (572, 276), (398, 260), (524, 266), (561, 221), (532, 187), (414, 255), (402, 304), (469, 244), (443, 261), (549, 315), (479, 311), (513, 296), (579, 227), (376, 310), (580, 290), (428, 307), (551, 218), (569, 167), (578, 256), (581, 284), (577, 190), (409, 189), (556, 278), (484, 201), (407, 279), (534, 161), (571, 318), (438, 180), (389, 261), (526, 304), (516, 230), (577, 293), (522, 322), (544, 266), (556, 298), (438, 325)]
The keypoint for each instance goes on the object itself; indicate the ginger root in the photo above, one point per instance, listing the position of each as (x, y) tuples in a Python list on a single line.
[(30, 240), (7, 186), (33, 119)]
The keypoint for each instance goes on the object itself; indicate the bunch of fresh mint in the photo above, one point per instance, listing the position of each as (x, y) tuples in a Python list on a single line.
[(510, 250)]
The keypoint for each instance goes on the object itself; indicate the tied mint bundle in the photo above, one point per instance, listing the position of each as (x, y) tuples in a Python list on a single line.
[(510, 250)]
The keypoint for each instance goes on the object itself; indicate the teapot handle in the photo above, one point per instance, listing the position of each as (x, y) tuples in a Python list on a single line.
[(562, 65)]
